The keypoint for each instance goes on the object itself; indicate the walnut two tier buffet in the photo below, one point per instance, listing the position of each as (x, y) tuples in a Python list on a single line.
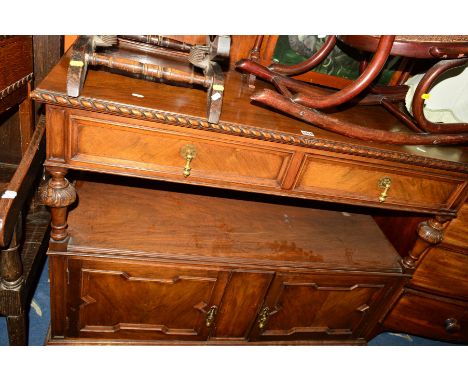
[(258, 229)]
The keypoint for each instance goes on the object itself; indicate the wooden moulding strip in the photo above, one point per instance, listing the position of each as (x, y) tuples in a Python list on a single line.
[(15, 86), (126, 110)]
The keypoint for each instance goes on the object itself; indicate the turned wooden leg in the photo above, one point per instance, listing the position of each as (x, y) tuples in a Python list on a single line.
[(58, 194), (17, 329), (11, 267), (11, 282), (430, 233)]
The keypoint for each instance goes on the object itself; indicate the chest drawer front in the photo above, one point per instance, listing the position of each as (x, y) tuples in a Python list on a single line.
[(134, 300), (319, 307), (423, 315), (164, 153), (361, 183), (443, 271)]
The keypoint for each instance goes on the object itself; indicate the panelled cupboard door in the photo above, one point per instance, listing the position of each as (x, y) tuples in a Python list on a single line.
[(138, 300), (318, 307)]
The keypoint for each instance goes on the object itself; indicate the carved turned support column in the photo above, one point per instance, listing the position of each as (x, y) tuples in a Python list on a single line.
[(58, 194), (430, 232)]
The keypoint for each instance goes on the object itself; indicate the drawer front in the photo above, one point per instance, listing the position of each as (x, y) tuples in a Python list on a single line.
[(135, 300), (422, 315), (444, 272), (159, 152), (319, 307), (357, 183)]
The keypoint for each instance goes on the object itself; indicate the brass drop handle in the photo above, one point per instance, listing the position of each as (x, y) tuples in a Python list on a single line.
[(188, 152), (452, 325), (263, 317), (210, 315), (384, 183)]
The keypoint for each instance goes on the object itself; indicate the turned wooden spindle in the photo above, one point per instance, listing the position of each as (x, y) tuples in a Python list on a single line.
[(58, 194), (156, 71), (430, 233), (161, 41)]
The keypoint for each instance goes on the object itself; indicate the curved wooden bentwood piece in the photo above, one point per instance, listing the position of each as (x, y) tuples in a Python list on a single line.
[(315, 98), (284, 104), (310, 63), (423, 89), (307, 96)]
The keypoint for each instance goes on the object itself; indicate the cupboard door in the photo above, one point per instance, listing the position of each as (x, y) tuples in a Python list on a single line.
[(318, 307), (142, 301), (240, 305)]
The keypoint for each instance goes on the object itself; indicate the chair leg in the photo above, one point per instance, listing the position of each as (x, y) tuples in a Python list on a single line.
[(12, 281), (11, 266), (17, 329)]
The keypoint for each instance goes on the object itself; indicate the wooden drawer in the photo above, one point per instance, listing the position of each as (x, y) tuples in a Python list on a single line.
[(424, 315), (444, 272), (115, 299), (156, 152), (360, 183)]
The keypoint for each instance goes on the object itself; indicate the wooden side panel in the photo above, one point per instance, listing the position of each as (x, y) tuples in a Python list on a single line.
[(15, 59), (457, 231), (357, 182), (319, 306), (157, 150), (423, 315), (134, 300), (444, 272), (58, 276), (55, 133), (10, 140)]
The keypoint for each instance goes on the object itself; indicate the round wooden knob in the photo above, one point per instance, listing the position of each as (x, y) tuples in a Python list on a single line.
[(452, 325)]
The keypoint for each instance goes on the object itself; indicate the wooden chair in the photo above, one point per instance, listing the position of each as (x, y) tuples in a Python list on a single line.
[(22, 227), (304, 101)]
